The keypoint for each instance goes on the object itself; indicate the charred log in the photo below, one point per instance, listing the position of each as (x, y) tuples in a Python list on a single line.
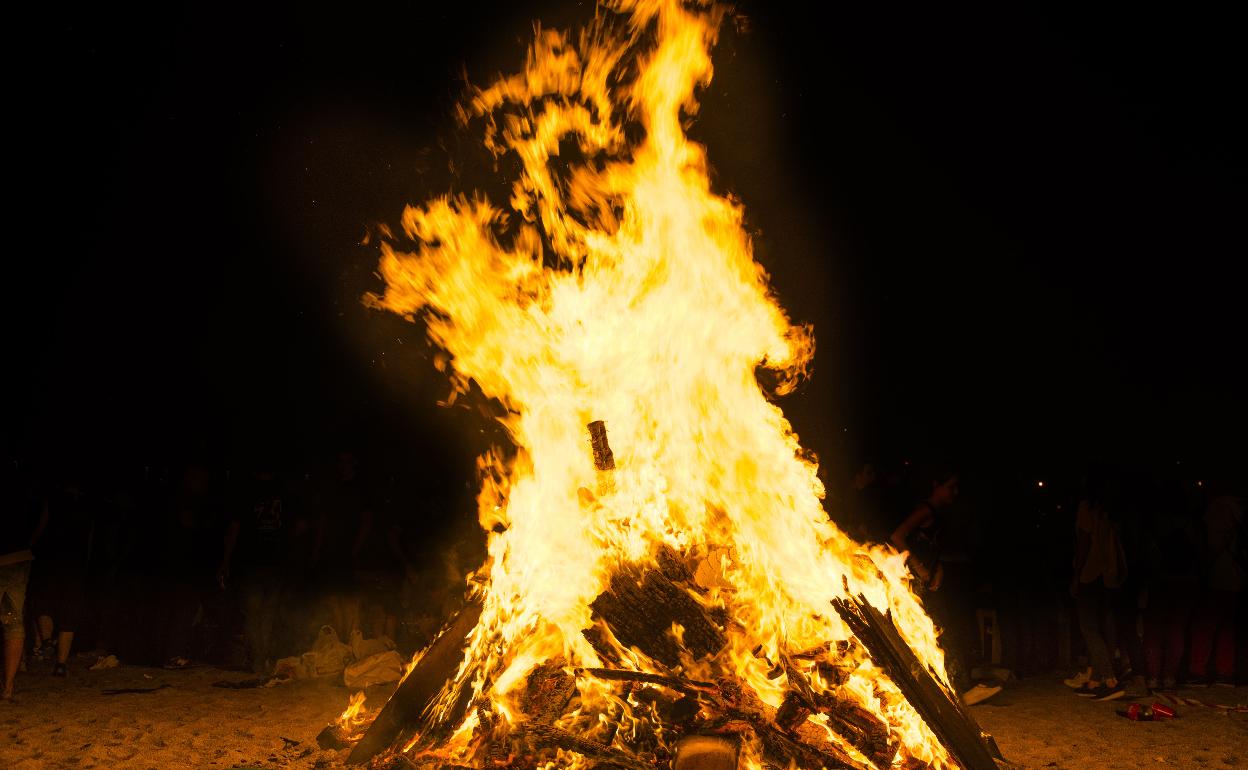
[(547, 693), (642, 606)]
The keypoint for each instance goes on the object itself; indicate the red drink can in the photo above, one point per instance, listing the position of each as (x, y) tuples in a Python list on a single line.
[(1162, 711)]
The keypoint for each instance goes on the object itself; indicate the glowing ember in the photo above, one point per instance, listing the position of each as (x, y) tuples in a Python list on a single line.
[(616, 285)]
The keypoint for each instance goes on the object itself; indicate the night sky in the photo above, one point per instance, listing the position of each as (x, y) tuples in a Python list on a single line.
[(1019, 232)]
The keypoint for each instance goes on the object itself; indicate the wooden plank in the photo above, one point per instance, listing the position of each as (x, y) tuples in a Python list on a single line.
[(941, 710), (406, 707)]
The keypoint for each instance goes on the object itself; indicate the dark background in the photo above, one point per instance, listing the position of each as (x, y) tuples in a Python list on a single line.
[(1018, 231)]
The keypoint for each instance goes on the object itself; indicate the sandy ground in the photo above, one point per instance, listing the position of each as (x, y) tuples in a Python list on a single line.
[(71, 723)]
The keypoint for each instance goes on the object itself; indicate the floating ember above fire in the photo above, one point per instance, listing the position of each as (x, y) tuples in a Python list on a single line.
[(683, 586)]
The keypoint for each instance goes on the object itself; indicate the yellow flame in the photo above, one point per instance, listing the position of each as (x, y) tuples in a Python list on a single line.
[(617, 285), (354, 715)]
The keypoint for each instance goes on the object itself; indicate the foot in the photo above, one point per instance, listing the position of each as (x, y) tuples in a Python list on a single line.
[(1109, 692), (60, 670), (1077, 681), (1169, 684), (1087, 689), (978, 694), (177, 663), (1153, 683)]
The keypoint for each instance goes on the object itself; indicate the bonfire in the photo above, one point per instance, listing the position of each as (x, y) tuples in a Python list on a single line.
[(663, 582)]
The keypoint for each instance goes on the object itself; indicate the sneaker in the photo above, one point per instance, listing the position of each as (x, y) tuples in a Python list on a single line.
[(1086, 690), (1078, 680), (1105, 692), (978, 694)]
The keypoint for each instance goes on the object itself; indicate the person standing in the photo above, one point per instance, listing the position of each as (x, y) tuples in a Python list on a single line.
[(257, 557), (920, 535), (1099, 569), (60, 576), (1224, 556), (20, 528), (344, 525)]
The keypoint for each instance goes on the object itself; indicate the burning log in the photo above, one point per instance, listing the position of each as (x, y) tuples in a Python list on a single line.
[(548, 691), (419, 688), (942, 712), (553, 737), (642, 607)]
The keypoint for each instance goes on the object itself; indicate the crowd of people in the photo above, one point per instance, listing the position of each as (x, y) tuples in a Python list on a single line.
[(203, 564), (1147, 574)]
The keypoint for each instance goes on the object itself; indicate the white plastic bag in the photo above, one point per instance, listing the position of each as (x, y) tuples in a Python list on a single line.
[(375, 669)]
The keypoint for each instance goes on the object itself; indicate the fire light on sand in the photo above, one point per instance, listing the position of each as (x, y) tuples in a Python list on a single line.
[(617, 285)]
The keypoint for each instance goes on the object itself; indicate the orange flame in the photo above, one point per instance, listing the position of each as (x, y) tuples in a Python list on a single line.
[(355, 715), (617, 285)]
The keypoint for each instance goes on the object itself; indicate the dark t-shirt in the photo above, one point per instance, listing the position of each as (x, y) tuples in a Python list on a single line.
[(266, 517)]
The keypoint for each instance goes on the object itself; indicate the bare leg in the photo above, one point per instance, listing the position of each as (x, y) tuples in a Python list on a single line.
[(43, 628), (64, 641), (12, 655)]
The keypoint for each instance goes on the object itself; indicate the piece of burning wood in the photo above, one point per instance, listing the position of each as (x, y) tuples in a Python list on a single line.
[(553, 737), (855, 725), (675, 683), (792, 712), (641, 606), (547, 692), (860, 728), (405, 709), (941, 710), (785, 750), (333, 737)]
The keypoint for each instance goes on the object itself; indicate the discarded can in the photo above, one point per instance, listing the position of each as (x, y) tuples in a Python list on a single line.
[(1162, 711), (1137, 713)]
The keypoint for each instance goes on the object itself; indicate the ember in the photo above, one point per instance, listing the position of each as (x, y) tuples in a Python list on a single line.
[(677, 581)]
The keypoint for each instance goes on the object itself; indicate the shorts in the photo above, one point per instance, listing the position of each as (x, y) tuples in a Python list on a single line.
[(13, 579)]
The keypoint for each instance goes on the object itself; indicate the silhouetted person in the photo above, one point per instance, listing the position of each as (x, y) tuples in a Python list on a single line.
[(920, 535), (60, 573), (191, 533), (257, 556), (1099, 569), (344, 524), (21, 523), (1224, 557), (1171, 583)]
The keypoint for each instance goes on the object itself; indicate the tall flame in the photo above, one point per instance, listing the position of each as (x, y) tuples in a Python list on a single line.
[(617, 285)]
